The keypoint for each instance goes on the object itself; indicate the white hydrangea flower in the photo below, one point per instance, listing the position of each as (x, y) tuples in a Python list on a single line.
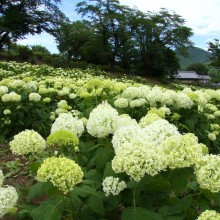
[(138, 102), (102, 120), (112, 185), (17, 83), (3, 90), (67, 122), (183, 101), (34, 97), (62, 104), (159, 130), (72, 95), (208, 172), (30, 86), (131, 93), (209, 215), (125, 120), (183, 150), (168, 97), (148, 119), (128, 134), (27, 141), (155, 95), (212, 136), (217, 113), (8, 199), (7, 112), (1, 178), (121, 103), (138, 160), (11, 97)]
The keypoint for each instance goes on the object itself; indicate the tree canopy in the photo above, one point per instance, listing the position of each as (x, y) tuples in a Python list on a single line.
[(21, 17), (214, 48)]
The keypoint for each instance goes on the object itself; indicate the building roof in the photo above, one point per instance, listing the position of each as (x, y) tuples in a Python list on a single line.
[(205, 77), (191, 75), (187, 75)]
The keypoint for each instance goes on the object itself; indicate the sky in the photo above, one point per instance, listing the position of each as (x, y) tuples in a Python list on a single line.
[(203, 16)]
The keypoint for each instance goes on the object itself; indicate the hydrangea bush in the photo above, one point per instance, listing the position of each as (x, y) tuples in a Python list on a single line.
[(110, 148)]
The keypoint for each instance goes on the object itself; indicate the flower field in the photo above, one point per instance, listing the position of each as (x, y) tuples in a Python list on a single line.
[(88, 146)]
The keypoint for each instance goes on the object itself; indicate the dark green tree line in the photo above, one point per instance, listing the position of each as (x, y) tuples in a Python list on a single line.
[(120, 36)]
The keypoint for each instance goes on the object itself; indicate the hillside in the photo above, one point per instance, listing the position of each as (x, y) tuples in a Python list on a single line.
[(195, 55)]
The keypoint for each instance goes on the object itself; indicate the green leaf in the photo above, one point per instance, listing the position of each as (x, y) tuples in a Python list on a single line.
[(93, 174), (140, 214), (176, 217), (96, 204), (156, 184), (75, 201), (190, 123), (108, 170), (102, 156), (86, 190), (37, 190), (34, 167), (179, 178), (48, 210), (180, 206)]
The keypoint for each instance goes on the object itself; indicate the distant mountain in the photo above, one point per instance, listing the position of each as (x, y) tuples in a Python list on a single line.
[(195, 55)]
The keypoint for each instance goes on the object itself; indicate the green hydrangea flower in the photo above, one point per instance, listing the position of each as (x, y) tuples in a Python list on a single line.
[(62, 138), (62, 172), (209, 215)]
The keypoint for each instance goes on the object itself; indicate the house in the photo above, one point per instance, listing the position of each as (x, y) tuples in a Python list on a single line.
[(191, 77)]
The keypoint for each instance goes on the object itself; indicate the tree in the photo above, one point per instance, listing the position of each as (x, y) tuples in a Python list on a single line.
[(157, 36), (21, 17), (214, 48), (108, 19), (200, 68), (71, 37), (138, 42)]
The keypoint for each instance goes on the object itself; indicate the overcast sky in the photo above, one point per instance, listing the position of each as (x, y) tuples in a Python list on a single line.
[(203, 16)]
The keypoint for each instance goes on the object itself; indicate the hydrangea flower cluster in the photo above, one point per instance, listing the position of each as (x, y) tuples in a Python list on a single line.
[(112, 185), (62, 138), (11, 97), (34, 97), (121, 103), (183, 101), (208, 172), (63, 173), (209, 215), (102, 120), (125, 120), (3, 90), (159, 130), (183, 150), (7, 112), (138, 102), (67, 122), (8, 197), (128, 134), (137, 160), (148, 119), (28, 141)]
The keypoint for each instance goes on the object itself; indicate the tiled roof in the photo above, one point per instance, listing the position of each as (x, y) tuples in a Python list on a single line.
[(191, 75), (187, 75)]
